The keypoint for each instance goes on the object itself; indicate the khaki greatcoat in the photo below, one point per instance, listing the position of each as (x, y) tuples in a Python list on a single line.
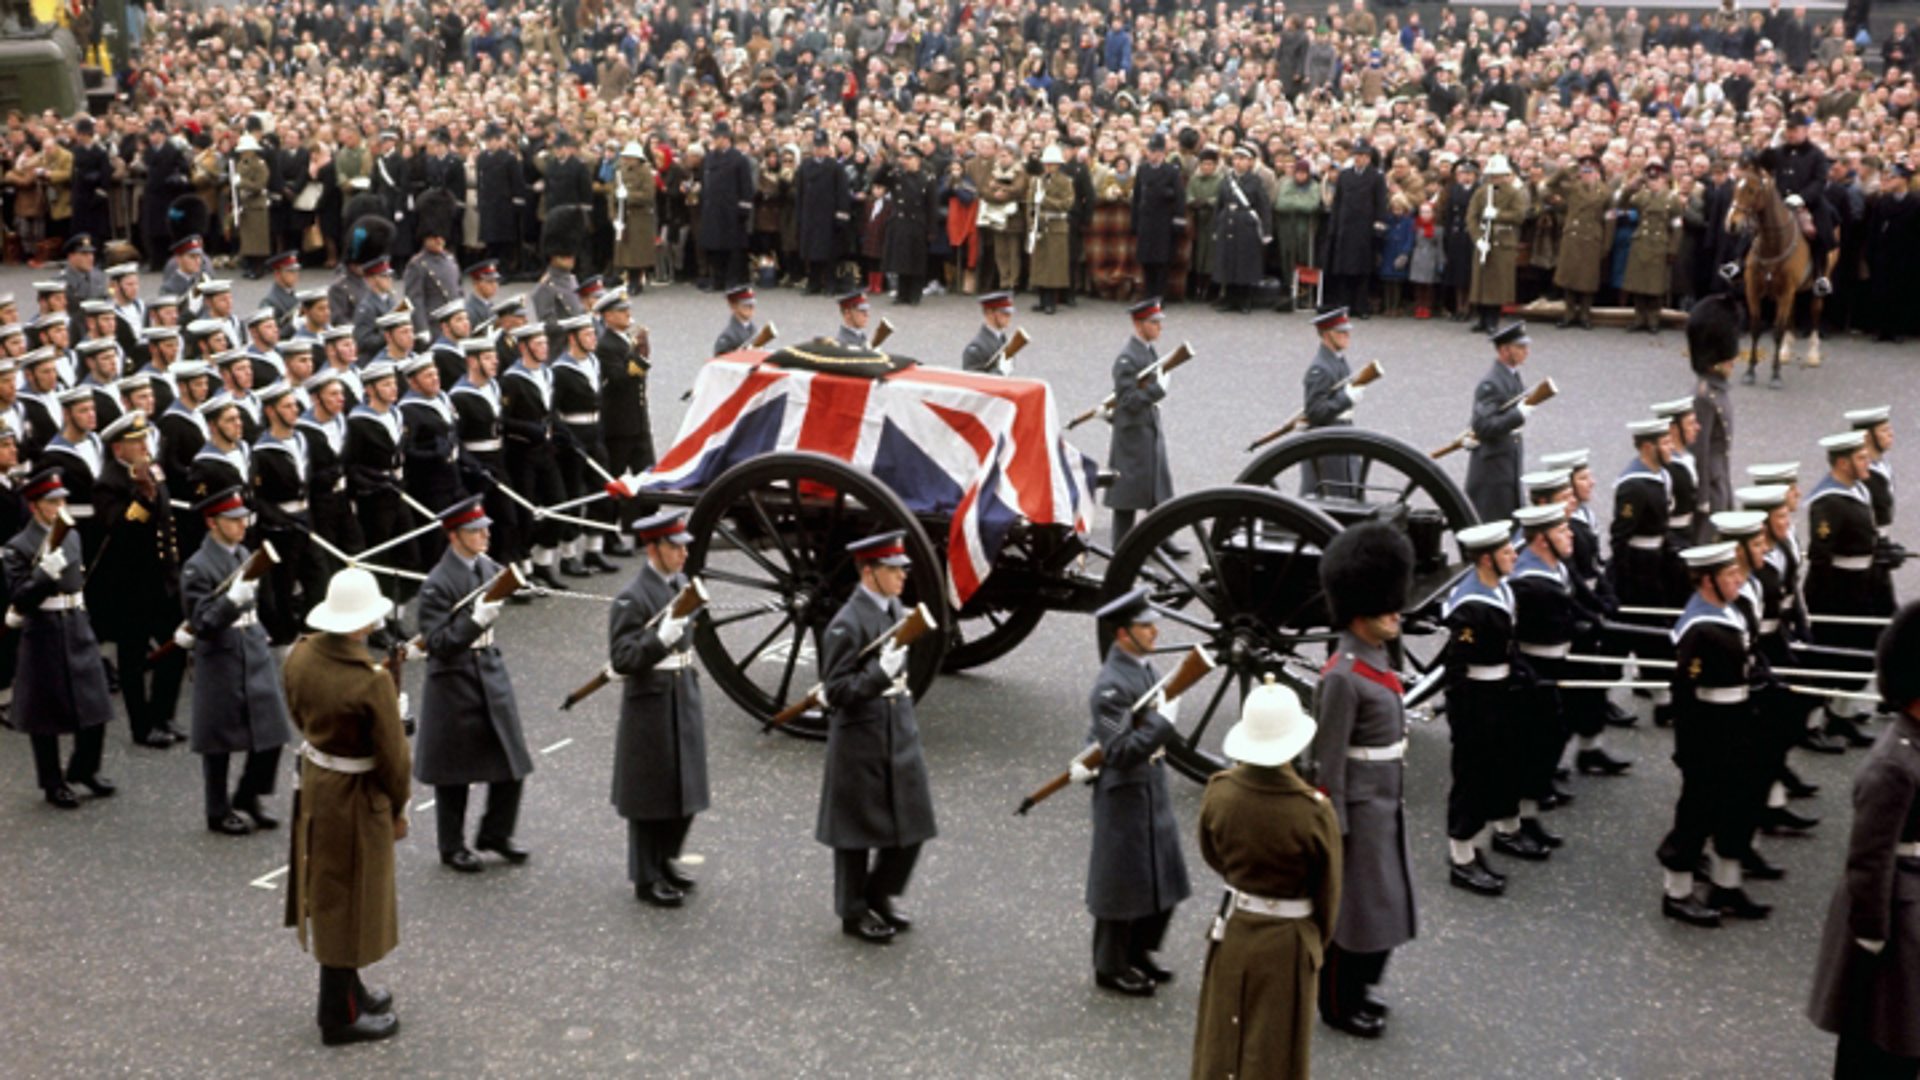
[(1493, 277)]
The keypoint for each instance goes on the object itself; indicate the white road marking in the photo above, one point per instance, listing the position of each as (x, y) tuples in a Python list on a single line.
[(556, 746), (692, 860), (426, 806), (265, 881)]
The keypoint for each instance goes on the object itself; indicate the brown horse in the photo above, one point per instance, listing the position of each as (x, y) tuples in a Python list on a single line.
[(1779, 267)]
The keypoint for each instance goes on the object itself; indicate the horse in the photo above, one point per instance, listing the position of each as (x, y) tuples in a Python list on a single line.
[(1779, 267)]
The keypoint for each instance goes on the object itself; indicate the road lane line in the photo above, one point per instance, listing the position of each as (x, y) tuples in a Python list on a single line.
[(265, 881), (557, 746)]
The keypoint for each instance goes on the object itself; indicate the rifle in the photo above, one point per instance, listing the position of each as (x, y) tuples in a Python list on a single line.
[(504, 584), (233, 189), (55, 538), (253, 569), (1542, 391), (880, 335), (619, 204), (1158, 368), (688, 600), (767, 333), (1033, 212), (1363, 377), (903, 633), (1193, 667), (1003, 360)]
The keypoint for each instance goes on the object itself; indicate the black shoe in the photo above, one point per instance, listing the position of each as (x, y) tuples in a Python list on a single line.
[(1689, 911), (1735, 903), (230, 825), (370, 1027), (1847, 730), (1521, 846), (1555, 798), (63, 797), (505, 848), (1663, 716), (1540, 833), (677, 878), (1619, 717), (1778, 819), (596, 561), (1131, 983), (1474, 878), (173, 732), (1481, 858), (1755, 866), (376, 1002), (261, 819), (893, 916), (660, 894), (100, 786), (1798, 788), (1820, 742), (155, 739), (1153, 971), (543, 576), (1360, 1025), (1374, 1005), (463, 860), (1597, 762), (573, 568), (1562, 774), (868, 926)]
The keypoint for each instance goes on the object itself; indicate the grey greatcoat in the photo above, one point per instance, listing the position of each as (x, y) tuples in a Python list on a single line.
[(979, 353), (1494, 466), (1137, 450), (1136, 868), (469, 722), (237, 705), (1713, 449), (1358, 704), (1854, 991), (875, 792), (60, 685), (734, 336), (1327, 407), (1242, 222), (660, 751)]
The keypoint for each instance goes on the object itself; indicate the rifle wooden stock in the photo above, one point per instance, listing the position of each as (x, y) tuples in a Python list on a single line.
[(253, 569), (1363, 377), (1014, 344), (1193, 667), (507, 582), (1158, 368), (691, 598), (56, 536), (1542, 391), (767, 333), (882, 333), (903, 633)]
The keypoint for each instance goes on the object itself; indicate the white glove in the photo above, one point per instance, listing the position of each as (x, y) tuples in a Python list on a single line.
[(53, 563), (1526, 410), (892, 659), (1079, 773), (241, 592), (1469, 443), (1873, 947), (1796, 201), (183, 638), (406, 705), (1355, 393), (15, 620), (1490, 212), (486, 614), (1169, 709), (1165, 379), (670, 630), (1003, 367)]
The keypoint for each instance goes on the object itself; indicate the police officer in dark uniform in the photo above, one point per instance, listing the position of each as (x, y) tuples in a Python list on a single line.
[(660, 751), (910, 229), (1242, 223), (1482, 688), (983, 353), (740, 326), (1159, 198), (1137, 450), (135, 580), (1499, 453), (1800, 170), (1328, 404), (823, 206), (876, 805)]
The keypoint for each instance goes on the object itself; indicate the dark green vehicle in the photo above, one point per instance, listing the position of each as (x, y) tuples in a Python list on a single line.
[(40, 66)]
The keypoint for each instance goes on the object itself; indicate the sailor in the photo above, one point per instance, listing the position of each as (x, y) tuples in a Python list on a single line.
[(1776, 491), (740, 326), (262, 347), (625, 356), (854, 314), (1330, 405), (1137, 450), (1643, 563), (39, 400), (225, 460), (1499, 454), (450, 327), (1682, 473), (532, 450), (217, 307), (984, 352), (1136, 873), (1482, 699), (576, 404), (123, 290), (1841, 553), (78, 453), (182, 431), (329, 505), (431, 474), (374, 456), (312, 316), (480, 414), (395, 339), (278, 481), (1589, 565)]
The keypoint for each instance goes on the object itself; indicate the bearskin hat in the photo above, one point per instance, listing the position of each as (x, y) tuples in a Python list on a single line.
[(369, 237), (1366, 570), (1713, 332), (1898, 659), (566, 231), (186, 216), (435, 210)]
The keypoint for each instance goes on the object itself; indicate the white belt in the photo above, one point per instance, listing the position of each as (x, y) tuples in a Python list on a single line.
[(79, 511), (1852, 562), (675, 661), (1488, 672), (68, 601), (1789, 602), (1907, 851), (1721, 695), (1389, 752), (484, 641), (335, 764), (1679, 521), (297, 506), (1769, 626), (1547, 652), (1647, 543), (580, 417), (482, 446), (1279, 909)]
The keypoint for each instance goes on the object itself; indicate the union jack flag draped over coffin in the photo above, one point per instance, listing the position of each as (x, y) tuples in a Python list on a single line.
[(979, 450)]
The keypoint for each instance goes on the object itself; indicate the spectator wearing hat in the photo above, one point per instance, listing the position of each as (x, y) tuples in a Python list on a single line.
[(1459, 233), (1655, 235), (501, 191), (726, 205), (251, 178), (634, 198), (1494, 216), (1049, 243), (1893, 232), (1356, 223), (134, 585), (1297, 208), (823, 204), (168, 176), (1159, 215), (1580, 196), (1242, 224)]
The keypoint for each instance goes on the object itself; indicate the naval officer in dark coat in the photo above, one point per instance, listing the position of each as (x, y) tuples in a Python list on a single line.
[(1136, 873), (1361, 757), (469, 720), (1328, 404), (983, 352), (1137, 450), (1866, 982), (1498, 456), (876, 805), (236, 684), (660, 752)]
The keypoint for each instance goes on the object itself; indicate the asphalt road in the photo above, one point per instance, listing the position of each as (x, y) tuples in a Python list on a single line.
[(136, 942)]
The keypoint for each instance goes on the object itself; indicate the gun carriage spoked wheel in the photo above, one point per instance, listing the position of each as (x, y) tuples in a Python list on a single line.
[(770, 539), (1248, 591), (1038, 569)]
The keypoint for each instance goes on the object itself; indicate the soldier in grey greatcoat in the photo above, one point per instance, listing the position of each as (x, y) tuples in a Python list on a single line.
[(1328, 404), (1360, 753), (375, 304), (469, 719), (854, 314), (1136, 872), (1499, 455), (876, 805), (237, 705), (740, 328), (983, 352), (1866, 981), (60, 687), (1713, 342), (660, 752), (281, 294), (186, 269), (1137, 450)]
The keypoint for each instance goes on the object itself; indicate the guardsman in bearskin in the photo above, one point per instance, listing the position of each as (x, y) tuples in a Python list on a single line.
[(740, 326), (1840, 562), (1136, 873), (1482, 699), (1137, 450), (557, 296), (1361, 750), (368, 239), (1713, 341), (432, 280), (135, 581)]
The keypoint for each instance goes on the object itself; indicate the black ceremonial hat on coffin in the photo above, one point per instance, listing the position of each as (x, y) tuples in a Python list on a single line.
[(1897, 658), (1366, 570), (1713, 332), (825, 354)]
